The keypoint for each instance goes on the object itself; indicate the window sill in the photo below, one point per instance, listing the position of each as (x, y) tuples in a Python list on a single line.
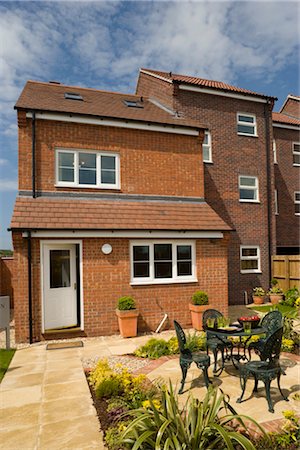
[(208, 162), (86, 186), (246, 134), (296, 165), (165, 281), (249, 201), (250, 271)]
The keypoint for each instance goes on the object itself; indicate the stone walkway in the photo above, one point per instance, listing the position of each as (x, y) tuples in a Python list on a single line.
[(45, 403)]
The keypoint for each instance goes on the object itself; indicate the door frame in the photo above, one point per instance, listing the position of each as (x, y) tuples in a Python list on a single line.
[(57, 242)]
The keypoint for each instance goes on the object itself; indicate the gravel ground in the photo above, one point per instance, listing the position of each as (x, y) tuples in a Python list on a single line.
[(130, 362)]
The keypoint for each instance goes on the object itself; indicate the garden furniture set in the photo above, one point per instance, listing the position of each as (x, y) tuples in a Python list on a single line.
[(266, 369)]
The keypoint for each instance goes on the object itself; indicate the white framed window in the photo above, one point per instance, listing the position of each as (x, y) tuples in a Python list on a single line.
[(206, 147), (274, 152), (276, 202), (248, 187), (296, 153), (246, 124), (161, 262), (297, 203), (250, 259), (87, 168)]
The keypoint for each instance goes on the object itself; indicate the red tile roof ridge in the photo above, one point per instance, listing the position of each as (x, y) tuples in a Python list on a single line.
[(285, 118), (48, 83)]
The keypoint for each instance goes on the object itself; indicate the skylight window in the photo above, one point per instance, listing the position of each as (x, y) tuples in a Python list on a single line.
[(133, 104), (72, 96)]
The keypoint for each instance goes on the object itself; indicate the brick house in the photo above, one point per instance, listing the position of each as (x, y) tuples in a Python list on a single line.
[(111, 202), (238, 166), (286, 147)]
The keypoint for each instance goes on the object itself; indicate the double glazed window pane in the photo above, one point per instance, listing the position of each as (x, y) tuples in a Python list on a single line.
[(66, 167), (163, 261), (249, 264), (60, 268), (108, 169), (246, 124), (184, 260), (87, 168), (248, 188), (141, 261)]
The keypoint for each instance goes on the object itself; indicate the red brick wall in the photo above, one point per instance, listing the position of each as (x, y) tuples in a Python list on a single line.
[(232, 155), (287, 181), (107, 277), (155, 88), (151, 163), (292, 108), (6, 278)]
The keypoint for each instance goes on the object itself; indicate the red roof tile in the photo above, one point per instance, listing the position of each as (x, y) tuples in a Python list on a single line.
[(66, 213), (211, 84), (283, 118), (50, 97)]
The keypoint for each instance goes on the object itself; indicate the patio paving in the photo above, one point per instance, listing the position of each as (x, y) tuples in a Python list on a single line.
[(45, 401)]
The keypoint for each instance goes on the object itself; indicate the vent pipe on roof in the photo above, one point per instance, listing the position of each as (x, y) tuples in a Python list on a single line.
[(54, 82), (33, 153)]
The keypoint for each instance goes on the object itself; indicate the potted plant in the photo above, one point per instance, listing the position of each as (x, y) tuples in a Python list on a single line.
[(197, 307), (127, 316), (275, 293), (258, 295)]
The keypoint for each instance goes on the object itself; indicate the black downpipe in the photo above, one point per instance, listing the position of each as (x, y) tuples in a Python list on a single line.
[(29, 287), (33, 155), (269, 191)]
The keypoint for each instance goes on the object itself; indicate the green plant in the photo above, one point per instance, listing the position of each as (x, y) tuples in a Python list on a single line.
[(291, 296), (297, 303), (196, 341), (275, 290), (199, 425), (126, 303), (5, 359), (173, 345), (113, 435), (200, 298), (287, 439), (153, 349), (259, 292), (274, 282), (289, 331), (287, 345)]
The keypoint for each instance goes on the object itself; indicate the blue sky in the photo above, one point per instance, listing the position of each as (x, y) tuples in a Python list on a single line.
[(250, 44)]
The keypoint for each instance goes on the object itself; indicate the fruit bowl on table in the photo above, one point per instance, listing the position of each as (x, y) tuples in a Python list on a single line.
[(254, 320)]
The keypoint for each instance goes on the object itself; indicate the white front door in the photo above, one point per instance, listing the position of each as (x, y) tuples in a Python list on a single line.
[(59, 280)]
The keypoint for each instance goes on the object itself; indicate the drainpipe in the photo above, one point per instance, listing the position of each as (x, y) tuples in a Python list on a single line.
[(269, 184), (29, 286), (33, 154)]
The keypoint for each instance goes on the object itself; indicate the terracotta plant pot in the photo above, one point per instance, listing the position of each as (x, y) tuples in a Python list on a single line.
[(127, 321), (258, 300), (196, 314), (275, 298)]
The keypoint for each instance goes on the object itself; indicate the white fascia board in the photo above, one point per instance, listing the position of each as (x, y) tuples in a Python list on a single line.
[(289, 127), (156, 76), (126, 234), (115, 123), (221, 93), (286, 100)]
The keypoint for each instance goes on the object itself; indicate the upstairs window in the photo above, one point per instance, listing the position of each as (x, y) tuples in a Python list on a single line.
[(162, 262), (77, 168), (296, 153), (250, 259), (246, 124), (297, 203), (206, 148), (248, 187), (274, 152)]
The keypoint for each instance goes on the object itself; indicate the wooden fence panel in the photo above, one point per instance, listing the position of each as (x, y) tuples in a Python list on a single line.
[(286, 269)]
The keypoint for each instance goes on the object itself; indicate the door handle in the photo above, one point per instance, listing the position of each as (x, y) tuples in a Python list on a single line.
[(75, 286)]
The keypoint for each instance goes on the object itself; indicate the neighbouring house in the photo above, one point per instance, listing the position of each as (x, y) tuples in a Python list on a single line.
[(238, 167), (286, 148), (111, 202)]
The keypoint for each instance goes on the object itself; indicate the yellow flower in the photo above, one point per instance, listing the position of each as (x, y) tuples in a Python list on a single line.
[(146, 404), (288, 414)]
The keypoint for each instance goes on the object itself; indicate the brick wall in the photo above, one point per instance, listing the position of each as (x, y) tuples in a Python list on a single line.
[(287, 181), (6, 278), (292, 108), (232, 155), (151, 163), (107, 277)]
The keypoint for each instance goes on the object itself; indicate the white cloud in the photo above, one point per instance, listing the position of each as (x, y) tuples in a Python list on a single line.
[(8, 185)]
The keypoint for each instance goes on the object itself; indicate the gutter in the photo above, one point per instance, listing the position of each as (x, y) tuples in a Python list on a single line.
[(33, 154), (269, 181), (29, 286)]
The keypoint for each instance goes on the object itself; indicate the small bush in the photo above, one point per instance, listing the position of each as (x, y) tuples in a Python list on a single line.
[(153, 349), (196, 341), (173, 345), (200, 298), (287, 439), (291, 296), (126, 303), (259, 292), (287, 345)]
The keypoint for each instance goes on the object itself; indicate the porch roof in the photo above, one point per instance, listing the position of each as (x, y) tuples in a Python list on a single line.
[(46, 213)]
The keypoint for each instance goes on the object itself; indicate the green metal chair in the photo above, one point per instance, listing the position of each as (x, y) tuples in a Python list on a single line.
[(265, 370), (186, 358), (270, 322), (215, 343)]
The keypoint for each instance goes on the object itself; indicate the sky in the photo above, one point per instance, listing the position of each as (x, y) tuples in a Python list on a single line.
[(99, 44)]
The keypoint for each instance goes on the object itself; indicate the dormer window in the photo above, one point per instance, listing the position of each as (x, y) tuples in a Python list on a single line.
[(133, 104), (73, 96)]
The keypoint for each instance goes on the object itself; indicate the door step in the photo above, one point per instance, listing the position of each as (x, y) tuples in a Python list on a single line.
[(66, 333)]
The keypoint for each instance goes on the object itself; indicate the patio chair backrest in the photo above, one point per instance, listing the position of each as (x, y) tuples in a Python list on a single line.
[(271, 322), (180, 336), (210, 314), (272, 346)]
